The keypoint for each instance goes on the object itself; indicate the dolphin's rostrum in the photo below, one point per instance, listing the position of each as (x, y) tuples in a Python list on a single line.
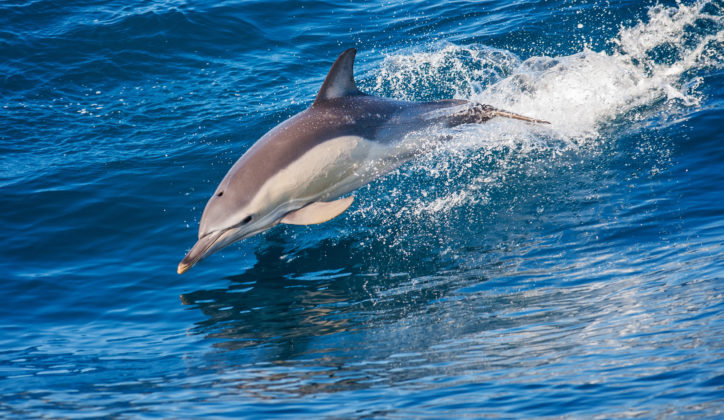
[(297, 172)]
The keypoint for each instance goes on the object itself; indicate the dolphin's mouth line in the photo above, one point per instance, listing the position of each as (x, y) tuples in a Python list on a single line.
[(199, 250), (205, 243), (212, 240), (219, 234)]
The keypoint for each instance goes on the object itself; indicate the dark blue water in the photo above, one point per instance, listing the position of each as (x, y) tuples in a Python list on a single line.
[(515, 271)]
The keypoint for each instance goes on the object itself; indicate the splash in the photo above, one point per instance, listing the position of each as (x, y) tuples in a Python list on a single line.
[(651, 63), (652, 69)]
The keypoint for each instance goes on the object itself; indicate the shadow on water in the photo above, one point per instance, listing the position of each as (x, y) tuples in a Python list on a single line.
[(379, 316), (288, 298)]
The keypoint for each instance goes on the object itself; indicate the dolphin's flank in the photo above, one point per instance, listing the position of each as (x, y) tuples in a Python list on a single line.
[(297, 172)]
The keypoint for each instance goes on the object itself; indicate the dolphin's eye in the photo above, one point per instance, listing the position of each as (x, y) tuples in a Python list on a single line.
[(246, 220), (220, 194)]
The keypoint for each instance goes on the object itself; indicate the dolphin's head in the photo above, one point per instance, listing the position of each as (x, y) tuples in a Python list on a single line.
[(259, 191), (230, 215)]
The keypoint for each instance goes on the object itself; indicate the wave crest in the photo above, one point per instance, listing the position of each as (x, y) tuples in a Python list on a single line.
[(652, 72)]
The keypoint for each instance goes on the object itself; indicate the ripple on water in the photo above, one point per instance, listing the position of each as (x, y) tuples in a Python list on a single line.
[(515, 270)]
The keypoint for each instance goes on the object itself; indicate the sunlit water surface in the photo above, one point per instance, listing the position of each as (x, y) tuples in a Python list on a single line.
[(515, 270)]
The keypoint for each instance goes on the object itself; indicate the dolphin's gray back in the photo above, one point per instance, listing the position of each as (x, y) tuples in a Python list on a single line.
[(359, 115), (339, 110)]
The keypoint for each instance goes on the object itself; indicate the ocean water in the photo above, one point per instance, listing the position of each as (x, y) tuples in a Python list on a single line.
[(571, 270)]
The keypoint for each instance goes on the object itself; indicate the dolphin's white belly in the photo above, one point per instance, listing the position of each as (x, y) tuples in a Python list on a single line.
[(327, 171)]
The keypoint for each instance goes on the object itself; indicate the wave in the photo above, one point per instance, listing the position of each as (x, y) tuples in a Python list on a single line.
[(653, 72), (650, 62)]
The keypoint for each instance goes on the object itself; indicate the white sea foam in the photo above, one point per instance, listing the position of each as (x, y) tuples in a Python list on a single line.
[(580, 92), (653, 68)]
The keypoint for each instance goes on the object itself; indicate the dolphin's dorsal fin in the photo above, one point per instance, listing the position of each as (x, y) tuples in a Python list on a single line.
[(318, 212), (340, 79)]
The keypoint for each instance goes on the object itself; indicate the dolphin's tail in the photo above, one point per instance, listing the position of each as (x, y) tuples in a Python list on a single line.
[(479, 113), (500, 113)]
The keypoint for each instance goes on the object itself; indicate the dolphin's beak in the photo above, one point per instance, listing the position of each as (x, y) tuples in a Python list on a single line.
[(201, 249)]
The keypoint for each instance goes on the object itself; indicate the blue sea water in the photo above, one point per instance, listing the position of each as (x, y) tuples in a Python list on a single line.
[(572, 270)]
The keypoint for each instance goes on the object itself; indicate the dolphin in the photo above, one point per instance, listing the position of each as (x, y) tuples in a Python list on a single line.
[(297, 172)]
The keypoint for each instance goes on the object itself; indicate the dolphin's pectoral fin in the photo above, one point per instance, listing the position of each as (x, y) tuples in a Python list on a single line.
[(479, 113), (318, 212)]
